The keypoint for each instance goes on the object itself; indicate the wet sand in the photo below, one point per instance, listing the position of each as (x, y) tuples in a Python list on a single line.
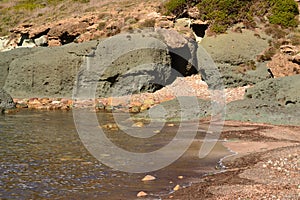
[(266, 165)]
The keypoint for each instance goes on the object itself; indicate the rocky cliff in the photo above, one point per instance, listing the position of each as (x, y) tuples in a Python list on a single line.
[(54, 71)]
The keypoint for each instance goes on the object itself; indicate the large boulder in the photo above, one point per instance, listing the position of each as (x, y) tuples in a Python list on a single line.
[(53, 72), (6, 102), (141, 64), (46, 72), (275, 101), (235, 57), (283, 91), (183, 51), (143, 70)]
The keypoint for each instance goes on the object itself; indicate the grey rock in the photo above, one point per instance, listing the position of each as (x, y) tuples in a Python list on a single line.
[(231, 77), (274, 101), (113, 69), (183, 108), (229, 51), (183, 51), (6, 102), (29, 43), (235, 48), (128, 69), (172, 38), (8, 56), (255, 110), (283, 91), (46, 72), (41, 41)]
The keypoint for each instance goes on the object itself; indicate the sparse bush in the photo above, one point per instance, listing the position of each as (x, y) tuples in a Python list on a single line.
[(267, 54), (130, 20), (147, 23), (101, 25), (275, 31), (247, 66), (295, 38)]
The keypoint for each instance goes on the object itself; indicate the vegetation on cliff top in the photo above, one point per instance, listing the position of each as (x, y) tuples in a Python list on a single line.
[(224, 13), (11, 12)]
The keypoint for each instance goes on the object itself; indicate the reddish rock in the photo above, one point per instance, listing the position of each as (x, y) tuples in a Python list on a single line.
[(282, 65)]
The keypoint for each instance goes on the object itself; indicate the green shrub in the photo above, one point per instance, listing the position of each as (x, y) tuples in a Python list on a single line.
[(284, 12), (222, 13), (174, 6)]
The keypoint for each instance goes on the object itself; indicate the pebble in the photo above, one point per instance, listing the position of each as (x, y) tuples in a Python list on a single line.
[(148, 178), (135, 109), (55, 102), (176, 188), (111, 126), (180, 177), (264, 165), (141, 194), (279, 168), (138, 124)]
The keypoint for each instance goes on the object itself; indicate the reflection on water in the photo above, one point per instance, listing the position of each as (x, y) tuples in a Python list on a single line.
[(41, 156)]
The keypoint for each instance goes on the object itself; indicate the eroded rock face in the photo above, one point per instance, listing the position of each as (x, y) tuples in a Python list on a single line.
[(6, 102), (46, 72), (275, 101), (182, 50), (141, 64), (52, 72), (282, 91), (235, 56), (7, 57)]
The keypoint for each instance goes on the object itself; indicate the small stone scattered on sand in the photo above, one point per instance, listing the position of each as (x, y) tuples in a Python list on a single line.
[(138, 124), (148, 178), (141, 194), (177, 187)]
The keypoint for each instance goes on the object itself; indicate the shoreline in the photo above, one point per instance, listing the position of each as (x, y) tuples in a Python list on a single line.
[(260, 152), (134, 103)]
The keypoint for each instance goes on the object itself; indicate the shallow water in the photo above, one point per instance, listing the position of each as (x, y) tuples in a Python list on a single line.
[(42, 156)]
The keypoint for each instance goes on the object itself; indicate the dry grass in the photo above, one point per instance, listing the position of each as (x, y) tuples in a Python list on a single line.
[(15, 12)]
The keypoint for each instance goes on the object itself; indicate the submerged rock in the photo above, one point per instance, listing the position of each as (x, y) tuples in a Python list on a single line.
[(182, 108)]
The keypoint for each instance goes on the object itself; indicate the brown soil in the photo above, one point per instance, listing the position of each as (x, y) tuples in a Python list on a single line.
[(266, 165)]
